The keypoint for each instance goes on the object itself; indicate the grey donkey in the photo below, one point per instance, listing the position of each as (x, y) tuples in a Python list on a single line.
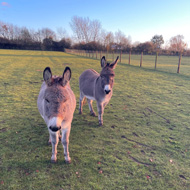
[(95, 86), (56, 104)]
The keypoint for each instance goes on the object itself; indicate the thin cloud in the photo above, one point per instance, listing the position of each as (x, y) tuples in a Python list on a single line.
[(5, 4)]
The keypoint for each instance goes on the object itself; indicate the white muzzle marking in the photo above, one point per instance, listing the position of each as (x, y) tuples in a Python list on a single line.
[(54, 122), (107, 87)]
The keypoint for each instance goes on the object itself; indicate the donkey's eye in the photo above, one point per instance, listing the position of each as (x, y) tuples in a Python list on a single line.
[(47, 100)]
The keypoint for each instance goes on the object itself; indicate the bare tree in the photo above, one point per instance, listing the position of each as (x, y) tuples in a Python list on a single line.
[(61, 33), (177, 44), (4, 30), (121, 40), (16, 32), (95, 28), (38, 36), (80, 28), (25, 35), (84, 29), (107, 38), (47, 33), (9, 31)]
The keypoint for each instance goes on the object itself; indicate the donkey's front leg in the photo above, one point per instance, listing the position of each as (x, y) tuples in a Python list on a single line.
[(54, 141), (65, 142), (92, 113), (49, 141), (81, 99), (100, 113)]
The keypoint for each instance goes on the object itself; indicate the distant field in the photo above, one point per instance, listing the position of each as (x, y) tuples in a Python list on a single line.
[(144, 143), (164, 63)]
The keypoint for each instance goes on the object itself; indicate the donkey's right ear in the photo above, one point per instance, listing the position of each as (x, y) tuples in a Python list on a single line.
[(47, 75), (66, 76), (103, 62)]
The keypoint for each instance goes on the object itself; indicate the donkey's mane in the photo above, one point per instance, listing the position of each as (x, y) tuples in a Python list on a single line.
[(107, 71)]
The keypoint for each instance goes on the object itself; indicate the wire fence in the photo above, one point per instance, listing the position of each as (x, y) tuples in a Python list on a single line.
[(173, 64)]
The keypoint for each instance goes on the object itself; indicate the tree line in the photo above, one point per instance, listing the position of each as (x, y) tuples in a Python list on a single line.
[(87, 35), (14, 37)]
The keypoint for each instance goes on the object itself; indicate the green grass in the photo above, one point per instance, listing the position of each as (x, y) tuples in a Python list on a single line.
[(144, 143)]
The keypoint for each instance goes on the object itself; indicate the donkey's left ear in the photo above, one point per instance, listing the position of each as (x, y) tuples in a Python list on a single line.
[(103, 62), (47, 75), (114, 64), (66, 76)]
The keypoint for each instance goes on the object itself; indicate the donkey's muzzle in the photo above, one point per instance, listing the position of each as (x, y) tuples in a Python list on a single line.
[(54, 129), (107, 91)]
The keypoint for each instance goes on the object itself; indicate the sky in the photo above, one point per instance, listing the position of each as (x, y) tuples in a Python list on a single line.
[(139, 19)]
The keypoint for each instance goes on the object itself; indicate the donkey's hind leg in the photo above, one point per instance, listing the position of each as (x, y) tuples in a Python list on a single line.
[(92, 113), (81, 99)]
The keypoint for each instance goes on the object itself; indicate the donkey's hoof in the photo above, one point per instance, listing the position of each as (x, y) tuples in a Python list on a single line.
[(68, 161), (92, 114), (100, 124), (53, 161)]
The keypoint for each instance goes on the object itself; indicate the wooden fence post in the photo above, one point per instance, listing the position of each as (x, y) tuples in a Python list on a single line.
[(141, 59), (120, 55), (129, 57), (156, 59), (179, 63)]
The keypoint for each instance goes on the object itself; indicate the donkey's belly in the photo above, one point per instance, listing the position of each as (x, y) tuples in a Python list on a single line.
[(90, 97)]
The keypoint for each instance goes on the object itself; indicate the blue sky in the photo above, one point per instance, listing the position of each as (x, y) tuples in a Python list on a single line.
[(140, 19)]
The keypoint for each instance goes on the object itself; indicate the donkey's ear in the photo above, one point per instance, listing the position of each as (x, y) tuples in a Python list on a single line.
[(103, 62), (114, 64), (66, 76), (47, 75)]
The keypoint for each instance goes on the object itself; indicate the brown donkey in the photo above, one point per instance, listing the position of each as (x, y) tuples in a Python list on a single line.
[(95, 86), (56, 104)]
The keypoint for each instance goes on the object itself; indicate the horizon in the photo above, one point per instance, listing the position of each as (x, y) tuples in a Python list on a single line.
[(140, 20)]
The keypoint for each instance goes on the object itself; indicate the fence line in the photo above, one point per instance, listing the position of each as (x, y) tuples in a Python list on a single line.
[(123, 56)]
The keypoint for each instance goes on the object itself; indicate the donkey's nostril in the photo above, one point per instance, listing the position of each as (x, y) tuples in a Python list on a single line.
[(54, 129), (107, 91)]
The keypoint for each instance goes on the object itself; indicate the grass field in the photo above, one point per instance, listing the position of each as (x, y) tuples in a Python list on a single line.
[(144, 143)]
